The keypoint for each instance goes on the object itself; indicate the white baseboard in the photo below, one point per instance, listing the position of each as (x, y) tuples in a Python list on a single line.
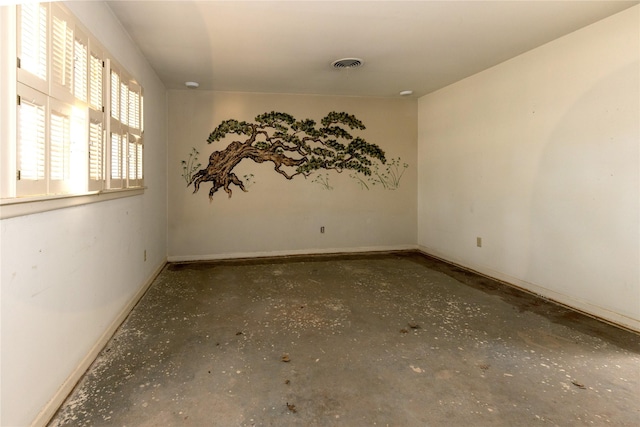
[(66, 388), (238, 255), (573, 303)]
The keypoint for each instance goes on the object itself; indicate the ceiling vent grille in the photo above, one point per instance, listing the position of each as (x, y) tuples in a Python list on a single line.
[(347, 63)]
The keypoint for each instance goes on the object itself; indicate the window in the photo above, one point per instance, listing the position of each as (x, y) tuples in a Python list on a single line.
[(60, 144), (62, 57), (31, 133), (96, 154), (76, 131), (97, 128), (126, 144), (32, 44), (96, 71), (80, 67)]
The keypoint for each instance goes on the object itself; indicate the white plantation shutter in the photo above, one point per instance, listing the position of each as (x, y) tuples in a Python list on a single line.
[(123, 158), (63, 124), (125, 121), (32, 44), (117, 149), (134, 108), (62, 54), (31, 135), (79, 115), (116, 157), (118, 161), (124, 104), (136, 148), (80, 68), (96, 153), (115, 95), (132, 160), (60, 145), (31, 130), (141, 98), (135, 160), (97, 126), (31, 142), (139, 158), (95, 81)]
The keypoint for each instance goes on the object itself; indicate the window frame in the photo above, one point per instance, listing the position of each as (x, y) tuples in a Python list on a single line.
[(92, 183)]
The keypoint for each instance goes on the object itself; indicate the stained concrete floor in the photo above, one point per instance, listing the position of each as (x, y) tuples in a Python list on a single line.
[(363, 340)]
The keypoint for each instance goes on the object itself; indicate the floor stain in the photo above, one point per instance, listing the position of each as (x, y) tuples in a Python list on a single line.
[(366, 339)]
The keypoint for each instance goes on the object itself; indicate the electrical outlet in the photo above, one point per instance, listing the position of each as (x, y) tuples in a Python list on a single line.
[(479, 242), (322, 229)]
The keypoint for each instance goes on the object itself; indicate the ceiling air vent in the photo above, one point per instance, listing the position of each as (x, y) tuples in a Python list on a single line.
[(347, 63)]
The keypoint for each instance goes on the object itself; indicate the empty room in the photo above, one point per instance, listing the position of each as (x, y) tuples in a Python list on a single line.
[(324, 213)]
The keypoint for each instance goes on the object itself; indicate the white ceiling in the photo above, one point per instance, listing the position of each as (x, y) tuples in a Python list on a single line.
[(288, 46)]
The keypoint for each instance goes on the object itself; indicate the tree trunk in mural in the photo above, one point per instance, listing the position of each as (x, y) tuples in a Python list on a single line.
[(298, 146)]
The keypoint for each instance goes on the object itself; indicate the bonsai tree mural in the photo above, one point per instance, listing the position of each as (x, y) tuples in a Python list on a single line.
[(295, 147)]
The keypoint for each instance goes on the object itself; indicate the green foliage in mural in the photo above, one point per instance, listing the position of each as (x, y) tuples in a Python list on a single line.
[(323, 180), (361, 182), (389, 179), (190, 165), (295, 147)]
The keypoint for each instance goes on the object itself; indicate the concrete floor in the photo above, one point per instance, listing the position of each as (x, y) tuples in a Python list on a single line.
[(362, 340)]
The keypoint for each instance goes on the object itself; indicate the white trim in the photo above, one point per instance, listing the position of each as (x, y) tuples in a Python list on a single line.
[(68, 385), (19, 206), (585, 307), (297, 252)]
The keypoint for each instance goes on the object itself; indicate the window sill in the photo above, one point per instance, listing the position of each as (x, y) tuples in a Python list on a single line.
[(20, 206)]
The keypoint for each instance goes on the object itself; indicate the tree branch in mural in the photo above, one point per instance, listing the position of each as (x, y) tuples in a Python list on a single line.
[(300, 146)]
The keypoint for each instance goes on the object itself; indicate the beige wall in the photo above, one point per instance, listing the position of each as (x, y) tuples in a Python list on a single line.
[(539, 156), (278, 216)]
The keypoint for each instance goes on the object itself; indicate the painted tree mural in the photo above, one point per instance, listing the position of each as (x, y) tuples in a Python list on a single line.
[(295, 147)]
